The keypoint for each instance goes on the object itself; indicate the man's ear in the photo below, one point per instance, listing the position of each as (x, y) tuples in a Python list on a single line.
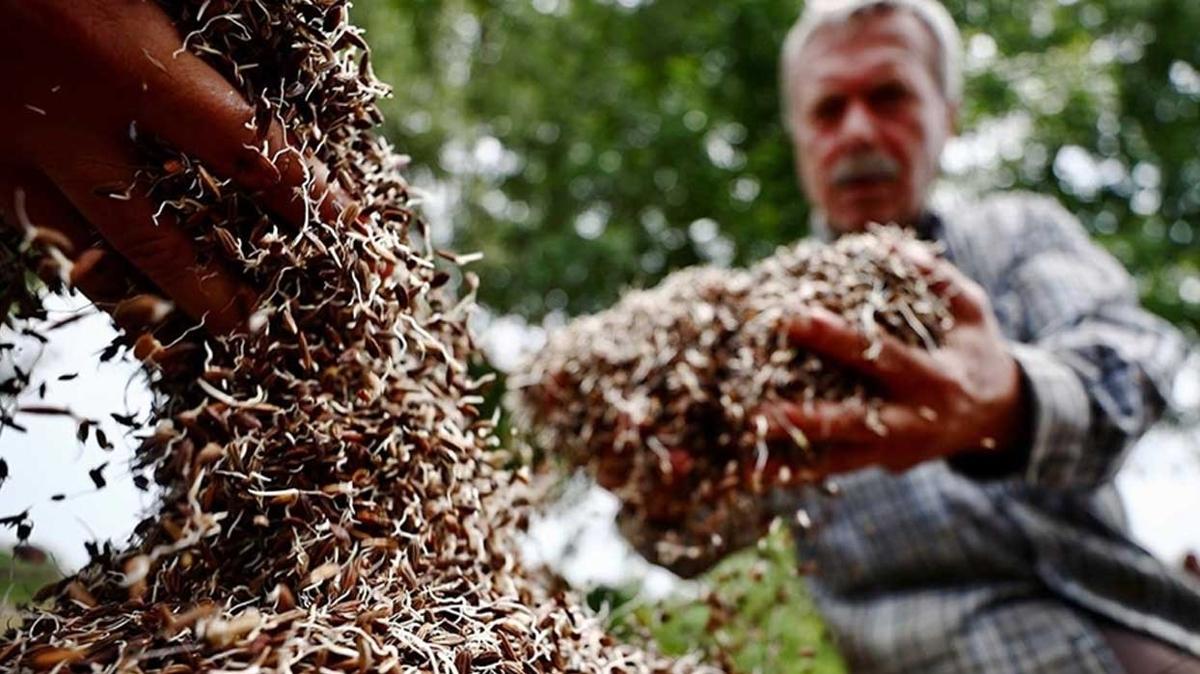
[(952, 119)]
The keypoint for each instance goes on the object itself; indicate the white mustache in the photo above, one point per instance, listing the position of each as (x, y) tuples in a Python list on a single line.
[(872, 165)]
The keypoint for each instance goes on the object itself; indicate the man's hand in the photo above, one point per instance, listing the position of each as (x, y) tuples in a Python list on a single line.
[(964, 396), (80, 76)]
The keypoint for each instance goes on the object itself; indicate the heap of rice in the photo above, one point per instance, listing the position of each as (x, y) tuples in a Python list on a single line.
[(330, 502), (656, 396)]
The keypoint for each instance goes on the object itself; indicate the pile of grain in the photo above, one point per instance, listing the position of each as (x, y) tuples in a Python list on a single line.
[(330, 501), (656, 397)]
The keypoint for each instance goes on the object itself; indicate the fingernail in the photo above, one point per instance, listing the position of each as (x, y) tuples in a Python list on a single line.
[(50, 237), (802, 318), (269, 168), (85, 264), (142, 311), (257, 170)]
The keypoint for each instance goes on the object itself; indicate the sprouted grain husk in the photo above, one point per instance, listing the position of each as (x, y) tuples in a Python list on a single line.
[(657, 396), (331, 497)]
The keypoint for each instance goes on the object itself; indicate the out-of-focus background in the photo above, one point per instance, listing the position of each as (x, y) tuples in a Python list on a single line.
[(586, 146)]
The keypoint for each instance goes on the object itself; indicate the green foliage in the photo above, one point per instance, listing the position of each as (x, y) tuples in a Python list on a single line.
[(577, 141), (758, 615), (19, 581)]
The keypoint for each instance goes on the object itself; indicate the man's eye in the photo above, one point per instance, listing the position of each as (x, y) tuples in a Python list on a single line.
[(888, 95), (829, 109)]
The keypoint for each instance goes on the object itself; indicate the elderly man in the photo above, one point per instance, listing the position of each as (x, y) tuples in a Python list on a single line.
[(1001, 548)]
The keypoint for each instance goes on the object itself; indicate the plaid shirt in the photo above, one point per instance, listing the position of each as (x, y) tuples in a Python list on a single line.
[(963, 567)]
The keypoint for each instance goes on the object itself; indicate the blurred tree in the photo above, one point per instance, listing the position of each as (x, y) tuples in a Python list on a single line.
[(587, 145)]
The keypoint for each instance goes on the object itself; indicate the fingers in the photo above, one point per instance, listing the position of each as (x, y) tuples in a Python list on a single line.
[(967, 300), (821, 422), (848, 436), (882, 357), (846, 423), (166, 91), (195, 109), (219, 132), (32, 204), (162, 251)]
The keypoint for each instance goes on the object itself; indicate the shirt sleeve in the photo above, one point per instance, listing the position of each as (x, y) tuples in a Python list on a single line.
[(1097, 367)]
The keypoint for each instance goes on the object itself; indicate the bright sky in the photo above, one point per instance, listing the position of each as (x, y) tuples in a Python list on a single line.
[(48, 459), (1160, 483)]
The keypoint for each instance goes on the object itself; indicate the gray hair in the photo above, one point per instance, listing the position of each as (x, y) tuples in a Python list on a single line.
[(820, 13)]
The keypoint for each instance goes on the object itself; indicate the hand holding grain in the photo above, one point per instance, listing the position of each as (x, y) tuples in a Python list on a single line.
[(84, 79), (964, 396)]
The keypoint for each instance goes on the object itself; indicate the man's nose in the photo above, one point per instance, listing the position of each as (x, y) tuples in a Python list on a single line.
[(858, 125)]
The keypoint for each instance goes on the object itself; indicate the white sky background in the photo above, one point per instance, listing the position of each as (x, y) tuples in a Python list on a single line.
[(1161, 481), (48, 459)]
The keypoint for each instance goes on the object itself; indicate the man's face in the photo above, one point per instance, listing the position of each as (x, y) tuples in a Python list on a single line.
[(869, 119)]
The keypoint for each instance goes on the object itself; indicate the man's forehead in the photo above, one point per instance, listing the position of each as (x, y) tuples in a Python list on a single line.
[(879, 44), (866, 66)]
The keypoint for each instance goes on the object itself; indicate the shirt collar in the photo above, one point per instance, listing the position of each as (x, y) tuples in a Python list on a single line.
[(928, 227)]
